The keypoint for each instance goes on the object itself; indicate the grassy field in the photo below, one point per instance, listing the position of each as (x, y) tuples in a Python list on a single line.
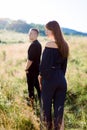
[(14, 112)]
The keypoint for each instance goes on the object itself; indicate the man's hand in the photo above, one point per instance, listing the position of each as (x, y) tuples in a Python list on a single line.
[(29, 63), (26, 71)]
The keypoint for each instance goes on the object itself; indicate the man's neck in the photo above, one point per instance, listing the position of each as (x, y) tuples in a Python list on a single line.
[(34, 40)]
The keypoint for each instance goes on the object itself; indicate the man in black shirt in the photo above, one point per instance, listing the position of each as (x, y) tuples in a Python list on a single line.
[(33, 61)]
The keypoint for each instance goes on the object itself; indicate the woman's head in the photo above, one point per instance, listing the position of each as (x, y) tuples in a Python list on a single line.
[(53, 31)]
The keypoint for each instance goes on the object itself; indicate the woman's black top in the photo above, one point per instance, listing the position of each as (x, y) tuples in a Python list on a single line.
[(52, 60)]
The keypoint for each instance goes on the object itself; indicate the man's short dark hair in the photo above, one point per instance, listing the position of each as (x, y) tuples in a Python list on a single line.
[(36, 30)]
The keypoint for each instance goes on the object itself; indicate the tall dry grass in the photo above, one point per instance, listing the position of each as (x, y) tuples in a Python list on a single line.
[(14, 112)]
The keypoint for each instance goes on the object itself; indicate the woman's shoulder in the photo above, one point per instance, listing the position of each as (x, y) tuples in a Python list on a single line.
[(51, 44), (48, 44)]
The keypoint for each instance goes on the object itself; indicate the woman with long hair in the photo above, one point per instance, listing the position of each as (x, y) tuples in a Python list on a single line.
[(52, 79)]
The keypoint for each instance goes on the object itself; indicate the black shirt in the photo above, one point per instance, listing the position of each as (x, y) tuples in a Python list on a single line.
[(34, 53)]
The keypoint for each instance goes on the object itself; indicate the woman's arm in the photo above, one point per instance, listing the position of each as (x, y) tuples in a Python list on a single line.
[(40, 81), (64, 66)]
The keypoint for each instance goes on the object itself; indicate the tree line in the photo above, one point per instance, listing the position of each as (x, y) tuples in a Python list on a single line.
[(20, 26), (23, 27)]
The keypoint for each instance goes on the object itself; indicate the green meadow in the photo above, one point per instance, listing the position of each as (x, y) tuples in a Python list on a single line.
[(15, 114)]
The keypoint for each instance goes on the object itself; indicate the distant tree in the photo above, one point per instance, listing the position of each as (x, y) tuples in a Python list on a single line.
[(3, 23), (19, 26), (39, 27)]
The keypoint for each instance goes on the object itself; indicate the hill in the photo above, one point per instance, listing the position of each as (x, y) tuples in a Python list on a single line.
[(23, 27), (68, 31)]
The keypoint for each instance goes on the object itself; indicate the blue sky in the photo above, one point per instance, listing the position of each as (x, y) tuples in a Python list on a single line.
[(69, 13)]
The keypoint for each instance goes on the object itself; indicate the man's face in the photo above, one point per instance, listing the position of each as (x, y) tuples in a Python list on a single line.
[(32, 35)]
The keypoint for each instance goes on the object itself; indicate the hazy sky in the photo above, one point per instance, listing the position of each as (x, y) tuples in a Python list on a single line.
[(69, 13)]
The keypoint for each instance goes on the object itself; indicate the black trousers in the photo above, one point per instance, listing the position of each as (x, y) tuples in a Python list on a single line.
[(32, 81), (54, 89)]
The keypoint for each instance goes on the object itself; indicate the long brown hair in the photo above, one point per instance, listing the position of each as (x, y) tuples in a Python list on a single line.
[(61, 43)]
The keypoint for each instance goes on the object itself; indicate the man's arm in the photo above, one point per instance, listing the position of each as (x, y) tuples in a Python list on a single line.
[(29, 63)]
